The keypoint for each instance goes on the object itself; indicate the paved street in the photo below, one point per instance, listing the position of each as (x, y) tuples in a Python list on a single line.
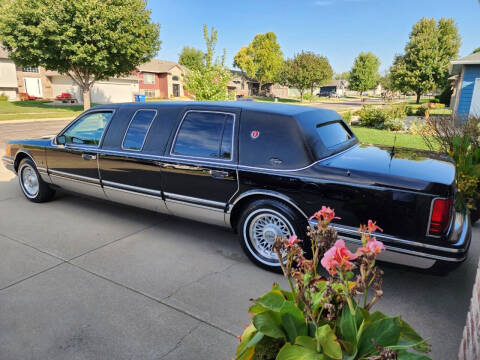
[(85, 279)]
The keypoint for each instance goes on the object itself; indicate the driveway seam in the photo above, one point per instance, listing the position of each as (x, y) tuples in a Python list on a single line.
[(160, 301), (111, 242), (33, 247), (32, 276), (177, 345)]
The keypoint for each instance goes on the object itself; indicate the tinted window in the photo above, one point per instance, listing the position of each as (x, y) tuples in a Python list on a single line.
[(88, 130), (333, 134), (204, 134), (138, 129)]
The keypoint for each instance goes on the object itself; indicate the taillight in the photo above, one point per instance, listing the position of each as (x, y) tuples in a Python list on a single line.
[(440, 218)]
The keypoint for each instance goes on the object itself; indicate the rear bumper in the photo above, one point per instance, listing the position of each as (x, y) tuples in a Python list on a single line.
[(416, 254), (8, 162)]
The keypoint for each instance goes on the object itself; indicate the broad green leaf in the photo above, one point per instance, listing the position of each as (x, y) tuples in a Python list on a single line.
[(243, 349), (293, 321), (408, 336), (307, 342), (349, 350), (272, 300), (296, 352), (404, 355), (377, 315), (243, 352), (257, 309), (384, 332), (349, 324), (328, 340), (268, 324)]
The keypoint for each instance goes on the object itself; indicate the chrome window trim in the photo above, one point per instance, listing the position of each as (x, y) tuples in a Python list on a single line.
[(135, 189), (77, 119), (353, 231), (409, 252), (146, 134), (74, 177), (173, 155), (195, 201)]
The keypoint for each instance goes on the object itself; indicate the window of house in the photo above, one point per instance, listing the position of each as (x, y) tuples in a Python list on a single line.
[(148, 78), (150, 93), (206, 135), (175, 78), (30, 69), (88, 130), (138, 129)]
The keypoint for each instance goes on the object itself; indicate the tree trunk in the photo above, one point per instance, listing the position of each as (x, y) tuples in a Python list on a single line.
[(419, 94), (311, 94), (301, 96), (86, 99), (259, 88)]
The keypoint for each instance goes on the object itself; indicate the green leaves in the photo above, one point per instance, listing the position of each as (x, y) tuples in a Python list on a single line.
[(269, 324), (364, 74), (302, 350), (328, 340), (382, 332)]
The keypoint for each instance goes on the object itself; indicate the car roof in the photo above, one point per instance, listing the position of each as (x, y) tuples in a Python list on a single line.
[(272, 108)]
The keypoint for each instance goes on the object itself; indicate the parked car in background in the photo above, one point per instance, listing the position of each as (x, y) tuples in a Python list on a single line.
[(327, 93), (259, 169)]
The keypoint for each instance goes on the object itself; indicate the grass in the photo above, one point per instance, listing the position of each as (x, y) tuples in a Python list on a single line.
[(36, 109), (387, 137)]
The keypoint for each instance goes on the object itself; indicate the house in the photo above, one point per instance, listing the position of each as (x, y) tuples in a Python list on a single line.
[(8, 76), (112, 90), (240, 84), (465, 77), (338, 87), (162, 79)]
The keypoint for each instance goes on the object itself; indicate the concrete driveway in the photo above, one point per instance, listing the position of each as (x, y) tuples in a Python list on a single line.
[(85, 279)]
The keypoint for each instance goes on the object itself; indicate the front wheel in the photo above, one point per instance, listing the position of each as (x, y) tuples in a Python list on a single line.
[(32, 185), (260, 223)]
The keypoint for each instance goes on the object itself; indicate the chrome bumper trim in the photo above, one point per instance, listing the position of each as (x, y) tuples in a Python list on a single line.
[(8, 162)]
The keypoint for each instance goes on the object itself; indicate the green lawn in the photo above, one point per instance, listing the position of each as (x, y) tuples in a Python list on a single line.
[(386, 137), (33, 109)]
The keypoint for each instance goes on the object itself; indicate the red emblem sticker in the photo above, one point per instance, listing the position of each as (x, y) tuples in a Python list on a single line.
[(255, 134)]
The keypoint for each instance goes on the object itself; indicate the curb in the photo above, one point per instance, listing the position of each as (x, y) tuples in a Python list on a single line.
[(34, 120)]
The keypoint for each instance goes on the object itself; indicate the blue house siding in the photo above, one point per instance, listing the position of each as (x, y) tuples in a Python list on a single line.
[(471, 73)]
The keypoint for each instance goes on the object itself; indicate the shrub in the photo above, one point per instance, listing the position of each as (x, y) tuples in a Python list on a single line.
[(383, 117), (3, 97), (347, 117), (327, 318), (445, 96), (421, 111), (395, 124)]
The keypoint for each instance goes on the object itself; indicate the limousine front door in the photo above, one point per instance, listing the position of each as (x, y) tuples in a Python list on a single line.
[(73, 160), (199, 174)]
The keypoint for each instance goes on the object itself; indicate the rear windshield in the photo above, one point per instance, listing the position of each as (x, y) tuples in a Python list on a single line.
[(333, 134)]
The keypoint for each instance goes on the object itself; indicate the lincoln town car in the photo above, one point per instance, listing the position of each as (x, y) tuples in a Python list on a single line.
[(260, 169)]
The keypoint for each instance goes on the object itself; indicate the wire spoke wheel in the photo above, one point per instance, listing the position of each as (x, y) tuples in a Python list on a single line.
[(263, 230), (29, 181)]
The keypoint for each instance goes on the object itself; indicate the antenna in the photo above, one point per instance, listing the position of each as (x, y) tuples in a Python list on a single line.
[(392, 153)]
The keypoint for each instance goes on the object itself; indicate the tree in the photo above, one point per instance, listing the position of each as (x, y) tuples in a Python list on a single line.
[(87, 40), (210, 82), (305, 71), (364, 74), (191, 58), (342, 76), (262, 59), (424, 65), (476, 50)]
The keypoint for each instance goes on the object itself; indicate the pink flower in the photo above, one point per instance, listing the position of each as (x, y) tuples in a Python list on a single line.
[(372, 246), (338, 257), (372, 226), (325, 214), (292, 240)]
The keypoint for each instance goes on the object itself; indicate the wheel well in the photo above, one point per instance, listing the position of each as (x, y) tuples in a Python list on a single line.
[(243, 203), (20, 156)]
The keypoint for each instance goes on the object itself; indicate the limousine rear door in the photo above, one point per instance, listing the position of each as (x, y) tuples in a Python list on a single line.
[(199, 171)]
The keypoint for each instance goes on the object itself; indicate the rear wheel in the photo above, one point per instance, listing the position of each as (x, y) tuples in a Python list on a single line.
[(260, 223), (32, 185)]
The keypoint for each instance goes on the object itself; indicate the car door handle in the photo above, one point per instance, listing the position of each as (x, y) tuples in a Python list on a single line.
[(217, 174), (89, 157)]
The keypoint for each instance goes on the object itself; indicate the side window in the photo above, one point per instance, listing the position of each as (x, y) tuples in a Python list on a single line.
[(138, 129), (88, 130), (205, 134)]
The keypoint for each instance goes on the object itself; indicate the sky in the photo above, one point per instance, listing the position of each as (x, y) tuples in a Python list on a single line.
[(337, 29)]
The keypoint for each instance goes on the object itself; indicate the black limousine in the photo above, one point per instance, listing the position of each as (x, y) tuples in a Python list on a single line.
[(260, 169)]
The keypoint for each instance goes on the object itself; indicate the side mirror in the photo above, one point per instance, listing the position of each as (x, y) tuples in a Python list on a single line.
[(61, 140)]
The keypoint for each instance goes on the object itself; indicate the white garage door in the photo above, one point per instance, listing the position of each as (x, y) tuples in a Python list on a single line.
[(104, 93), (475, 106)]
